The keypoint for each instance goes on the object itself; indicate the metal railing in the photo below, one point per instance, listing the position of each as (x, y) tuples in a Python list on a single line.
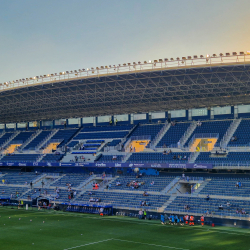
[(125, 68)]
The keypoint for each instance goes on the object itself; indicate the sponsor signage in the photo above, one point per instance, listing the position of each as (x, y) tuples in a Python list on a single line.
[(108, 164)]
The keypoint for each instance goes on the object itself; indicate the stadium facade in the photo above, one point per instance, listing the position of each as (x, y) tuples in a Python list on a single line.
[(155, 120)]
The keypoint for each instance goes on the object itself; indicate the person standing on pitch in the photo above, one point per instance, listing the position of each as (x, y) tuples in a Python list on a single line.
[(162, 219), (202, 220)]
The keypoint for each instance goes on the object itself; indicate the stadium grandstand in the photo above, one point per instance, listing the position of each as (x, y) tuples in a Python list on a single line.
[(170, 135)]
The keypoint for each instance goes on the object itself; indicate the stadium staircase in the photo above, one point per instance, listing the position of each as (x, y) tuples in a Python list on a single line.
[(159, 136), (31, 139), (45, 141), (10, 139), (126, 157), (193, 157), (231, 130), (166, 204), (188, 133), (170, 185)]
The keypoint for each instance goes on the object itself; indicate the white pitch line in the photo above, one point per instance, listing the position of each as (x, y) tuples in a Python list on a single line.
[(88, 244), (142, 243)]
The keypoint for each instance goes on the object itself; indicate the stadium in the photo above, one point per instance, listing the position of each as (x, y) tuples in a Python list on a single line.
[(118, 143)]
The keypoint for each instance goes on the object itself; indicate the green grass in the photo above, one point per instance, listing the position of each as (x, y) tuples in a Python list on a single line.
[(70, 230)]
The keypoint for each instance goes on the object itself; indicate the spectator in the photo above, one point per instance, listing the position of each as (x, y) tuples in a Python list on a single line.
[(208, 197), (145, 193), (220, 207), (114, 158)]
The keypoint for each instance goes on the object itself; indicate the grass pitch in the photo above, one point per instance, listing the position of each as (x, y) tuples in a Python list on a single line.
[(73, 231)]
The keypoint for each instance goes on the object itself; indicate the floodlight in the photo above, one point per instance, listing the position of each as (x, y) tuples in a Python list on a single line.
[(201, 56), (165, 59), (160, 60), (208, 55), (52, 74), (87, 69), (134, 63), (177, 58), (155, 61), (110, 66), (119, 64), (242, 53), (145, 62), (139, 62), (189, 57), (17, 81), (172, 59), (37, 76), (183, 58), (214, 55), (129, 64), (102, 67), (195, 57), (34, 77), (82, 70), (124, 64), (48, 75), (67, 72), (149, 61), (234, 53), (221, 54), (227, 54), (97, 67), (27, 79), (75, 71)]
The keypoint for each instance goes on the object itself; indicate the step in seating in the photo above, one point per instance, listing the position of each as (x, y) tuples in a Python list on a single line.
[(110, 158), (37, 140), (125, 200), (19, 178), (65, 135), (150, 183), (22, 137), (173, 135), (52, 158), (20, 158), (218, 127), (73, 179), (159, 157), (242, 134), (227, 187), (12, 192), (151, 130), (232, 158), (5, 137), (201, 205)]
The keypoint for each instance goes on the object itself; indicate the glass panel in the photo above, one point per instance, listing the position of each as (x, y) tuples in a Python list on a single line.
[(72, 121), (199, 112), (47, 123), (222, 110), (122, 118), (178, 113), (60, 121), (87, 119), (10, 125), (2, 126), (140, 116), (33, 124), (21, 125), (244, 109), (103, 118), (158, 115)]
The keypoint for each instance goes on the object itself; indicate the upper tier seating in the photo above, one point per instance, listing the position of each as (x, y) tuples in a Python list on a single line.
[(125, 200), (72, 144), (109, 158), (201, 205), (22, 137), (227, 187), (65, 134), (52, 158), (106, 128), (174, 134), (143, 130), (101, 135), (5, 137), (113, 143), (37, 140), (242, 133), (218, 127), (232, 158), (73, 179), (19, 178), (156, 184), (158, 157), (20, 158)]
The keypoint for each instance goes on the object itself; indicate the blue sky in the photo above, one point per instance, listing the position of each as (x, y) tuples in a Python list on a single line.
[(49, 36)]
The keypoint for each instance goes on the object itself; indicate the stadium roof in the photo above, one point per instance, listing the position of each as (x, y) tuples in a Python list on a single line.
[(137, 88)]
